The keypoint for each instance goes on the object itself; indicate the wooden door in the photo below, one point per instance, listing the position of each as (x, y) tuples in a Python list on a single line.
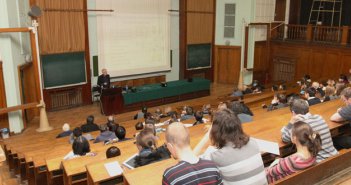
[(3, 117), (28, 92), (228, 64)]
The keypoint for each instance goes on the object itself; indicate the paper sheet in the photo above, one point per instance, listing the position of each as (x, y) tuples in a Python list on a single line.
[(188, 125), (267, 146), (113, 168)]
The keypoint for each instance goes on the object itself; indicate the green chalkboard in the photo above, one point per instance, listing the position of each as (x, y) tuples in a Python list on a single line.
[(199, 56), (63, 69)]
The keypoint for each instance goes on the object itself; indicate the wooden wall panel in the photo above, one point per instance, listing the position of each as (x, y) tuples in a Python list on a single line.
[(320, 61), (280, 10), (197, 25), (345, 63), (227, 64), (3, 118), (261, 62), (197, 28), (302, 67)]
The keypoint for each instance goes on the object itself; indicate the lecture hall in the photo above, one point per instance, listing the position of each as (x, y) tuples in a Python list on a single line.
[(175, 92)]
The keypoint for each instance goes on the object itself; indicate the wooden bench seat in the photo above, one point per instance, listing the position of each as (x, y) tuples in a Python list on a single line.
[(322, 170)]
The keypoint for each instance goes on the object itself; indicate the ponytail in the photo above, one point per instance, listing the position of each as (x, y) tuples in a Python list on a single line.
[(314, 143), (307, 137)]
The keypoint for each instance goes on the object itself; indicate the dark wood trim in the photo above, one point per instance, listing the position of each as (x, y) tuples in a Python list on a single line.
[(182, 38), (19, 107), (19, 69), (213, 42), (246, 48), (8, 30), (87, 89)]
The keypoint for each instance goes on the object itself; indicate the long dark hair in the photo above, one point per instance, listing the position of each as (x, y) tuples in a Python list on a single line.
[(226, 128), (80, 146), (307, 137)]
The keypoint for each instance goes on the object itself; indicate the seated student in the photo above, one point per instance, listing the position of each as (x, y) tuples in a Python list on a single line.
[(275, 88), (339, 87), (198, 117), (167, 112), (331, 83), (282, 87), (236, 155), (113, 151), (141, 114), (222, 105), (77, 132), (280, 102), (148, 151), (158, 112), (190, 169), (66, 131), (343, 114), (310, 95), (90, 126), (139, 126), (307, 142), (329, 94), (237, 92), (316, 86), (111, 124), (206, 109), (80, 147), (187, 113), (247, 89), (257, 87), (343, 79), (239, 109), (105, 135), (300, 112), (174, 118), (121, 133)]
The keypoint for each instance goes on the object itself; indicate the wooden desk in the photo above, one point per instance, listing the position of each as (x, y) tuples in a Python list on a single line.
[(267, 129)]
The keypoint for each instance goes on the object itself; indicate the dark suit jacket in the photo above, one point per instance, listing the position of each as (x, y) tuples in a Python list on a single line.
[(103, 79), (313, 101), (89, 127)]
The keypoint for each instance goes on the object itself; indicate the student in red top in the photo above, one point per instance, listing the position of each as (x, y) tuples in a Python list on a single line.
[(308, 144)]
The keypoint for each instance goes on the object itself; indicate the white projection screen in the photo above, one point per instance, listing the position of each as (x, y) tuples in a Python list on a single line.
[(135, 38)]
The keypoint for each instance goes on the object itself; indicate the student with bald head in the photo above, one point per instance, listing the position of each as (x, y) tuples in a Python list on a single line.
[(104, 79), (190, 168)]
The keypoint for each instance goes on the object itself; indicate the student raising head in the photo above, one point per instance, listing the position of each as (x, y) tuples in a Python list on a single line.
[(308, 144)]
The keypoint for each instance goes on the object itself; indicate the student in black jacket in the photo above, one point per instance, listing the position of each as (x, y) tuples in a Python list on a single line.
[(148, 151), (90, 126)]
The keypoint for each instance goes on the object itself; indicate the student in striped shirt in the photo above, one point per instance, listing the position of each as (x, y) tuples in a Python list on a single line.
[(190, 169), (236, 155), (300, 112), (308, 144)]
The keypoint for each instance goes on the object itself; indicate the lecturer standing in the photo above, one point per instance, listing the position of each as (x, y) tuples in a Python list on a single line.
[(104, 80)]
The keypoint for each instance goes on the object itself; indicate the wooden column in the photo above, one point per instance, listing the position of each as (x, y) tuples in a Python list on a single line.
[(345, 35), (309, 33)]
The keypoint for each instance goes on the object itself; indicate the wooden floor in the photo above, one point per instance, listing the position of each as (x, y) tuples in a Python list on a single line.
[(76, 116)]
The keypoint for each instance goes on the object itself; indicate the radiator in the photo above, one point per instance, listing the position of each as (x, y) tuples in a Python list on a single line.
[(66, 99)]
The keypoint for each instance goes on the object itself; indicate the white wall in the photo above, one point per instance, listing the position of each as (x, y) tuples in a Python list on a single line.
[(244, 15), (13, 48), (93, 44)]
